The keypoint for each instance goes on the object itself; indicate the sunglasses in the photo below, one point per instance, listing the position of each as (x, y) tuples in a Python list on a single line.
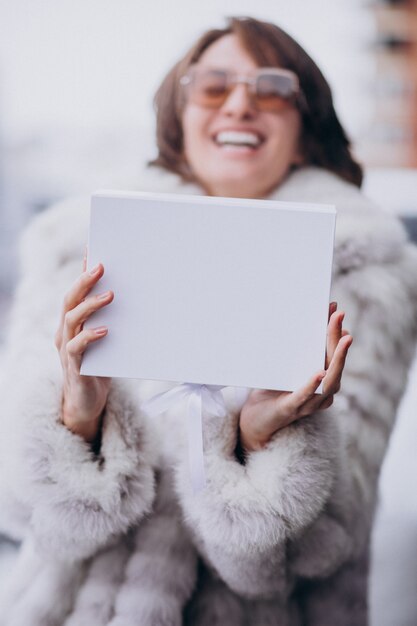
[(271, 89)]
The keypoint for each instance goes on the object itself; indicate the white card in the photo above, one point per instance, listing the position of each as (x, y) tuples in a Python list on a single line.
[(219, 291)]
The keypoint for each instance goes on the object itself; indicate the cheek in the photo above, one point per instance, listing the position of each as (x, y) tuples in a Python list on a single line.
[(194, 122), (285, 135), (186, 124)]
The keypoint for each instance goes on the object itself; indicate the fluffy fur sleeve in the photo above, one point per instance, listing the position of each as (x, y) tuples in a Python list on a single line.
[(74, 500), (161, 572), (247, 513), (145, 576)]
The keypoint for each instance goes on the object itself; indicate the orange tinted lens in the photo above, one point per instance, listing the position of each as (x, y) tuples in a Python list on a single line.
[(210, 88), (274, 91)]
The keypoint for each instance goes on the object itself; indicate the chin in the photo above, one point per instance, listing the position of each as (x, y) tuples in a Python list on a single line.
[(237, 184), (236, 188)]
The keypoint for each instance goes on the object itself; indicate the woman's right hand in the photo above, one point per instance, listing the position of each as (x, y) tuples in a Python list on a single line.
[(84, 397)]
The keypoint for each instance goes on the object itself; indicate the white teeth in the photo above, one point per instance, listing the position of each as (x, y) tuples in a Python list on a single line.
[(237, 138)]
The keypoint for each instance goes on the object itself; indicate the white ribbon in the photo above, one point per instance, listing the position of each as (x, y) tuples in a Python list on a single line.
[(207, 398)]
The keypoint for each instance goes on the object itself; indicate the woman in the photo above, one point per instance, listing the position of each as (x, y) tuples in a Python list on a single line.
[(281, 533)]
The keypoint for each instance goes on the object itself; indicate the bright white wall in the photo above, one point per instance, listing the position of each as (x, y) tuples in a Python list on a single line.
[(96, 63)]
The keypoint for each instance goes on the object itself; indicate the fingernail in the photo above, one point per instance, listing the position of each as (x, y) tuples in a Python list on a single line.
[(95, 270), (100, 330), (103, 296)]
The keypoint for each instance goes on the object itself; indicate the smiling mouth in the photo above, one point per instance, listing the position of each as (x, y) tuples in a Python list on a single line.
[(238, 140)]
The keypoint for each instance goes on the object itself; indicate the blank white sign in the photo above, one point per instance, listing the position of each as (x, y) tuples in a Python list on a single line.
[(218, 291)]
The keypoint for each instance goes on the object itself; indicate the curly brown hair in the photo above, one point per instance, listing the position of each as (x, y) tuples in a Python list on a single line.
[(324, 141)]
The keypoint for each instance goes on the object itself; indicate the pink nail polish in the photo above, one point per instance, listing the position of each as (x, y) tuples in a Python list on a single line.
[(100, 330), (103, 296), (95, 270)]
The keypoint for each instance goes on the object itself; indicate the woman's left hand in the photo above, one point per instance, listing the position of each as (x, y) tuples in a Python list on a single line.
[(266, 411)]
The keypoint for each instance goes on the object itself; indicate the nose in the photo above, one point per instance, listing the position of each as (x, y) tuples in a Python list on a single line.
[(239, 103)]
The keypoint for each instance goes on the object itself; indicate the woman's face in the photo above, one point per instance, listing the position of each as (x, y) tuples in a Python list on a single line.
[(239, 170)]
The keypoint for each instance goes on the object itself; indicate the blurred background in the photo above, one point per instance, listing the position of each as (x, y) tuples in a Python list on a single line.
[(76, 84), (77, 79)]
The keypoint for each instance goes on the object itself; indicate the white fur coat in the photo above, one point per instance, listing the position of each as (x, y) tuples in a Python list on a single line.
[(119, 539)]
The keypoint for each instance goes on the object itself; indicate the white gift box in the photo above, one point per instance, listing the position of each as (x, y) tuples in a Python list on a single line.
[(208, 290)]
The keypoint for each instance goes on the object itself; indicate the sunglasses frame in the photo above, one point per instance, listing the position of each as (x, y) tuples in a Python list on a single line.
[(233, 79)]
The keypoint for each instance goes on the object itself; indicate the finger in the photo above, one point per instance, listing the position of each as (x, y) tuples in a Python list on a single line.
[(326, 402), (296, 400), (58, 337), (332, 309), (332, 380), (334, 333), (81, 288), (75, 318), (85, 259), (317, 403), (76, 294), (77, 346)]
